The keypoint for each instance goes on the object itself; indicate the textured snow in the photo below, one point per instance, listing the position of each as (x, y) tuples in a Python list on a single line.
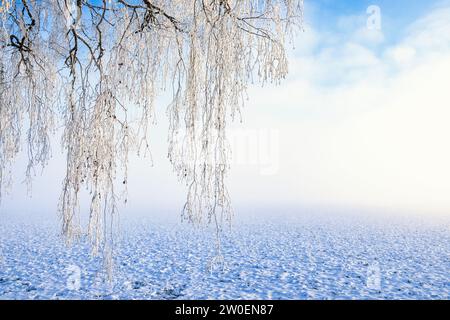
[(302, 258)]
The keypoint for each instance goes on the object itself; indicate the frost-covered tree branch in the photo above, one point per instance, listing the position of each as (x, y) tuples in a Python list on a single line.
[(95, 67)]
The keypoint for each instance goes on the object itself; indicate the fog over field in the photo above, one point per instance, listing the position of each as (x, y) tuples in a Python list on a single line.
[(338, 179)]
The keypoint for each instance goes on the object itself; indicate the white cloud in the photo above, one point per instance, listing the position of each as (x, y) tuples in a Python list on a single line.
[(355, 29), (401, 55), (369, 36), (432, 32), (360, 128)]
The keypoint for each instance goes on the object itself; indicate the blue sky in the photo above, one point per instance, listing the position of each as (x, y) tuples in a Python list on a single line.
[(396, 14), (361, 121), (362, 114)]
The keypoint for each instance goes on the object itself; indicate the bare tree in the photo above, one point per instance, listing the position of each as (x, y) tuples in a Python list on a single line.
[(94, 68)]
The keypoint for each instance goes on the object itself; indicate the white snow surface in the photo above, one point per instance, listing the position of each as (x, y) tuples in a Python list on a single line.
[(295, 258)]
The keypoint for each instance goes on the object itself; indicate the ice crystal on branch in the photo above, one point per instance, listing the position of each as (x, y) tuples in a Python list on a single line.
[(95, 67)]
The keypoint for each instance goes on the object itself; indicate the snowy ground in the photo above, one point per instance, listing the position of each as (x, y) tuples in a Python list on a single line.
[(302, 258)]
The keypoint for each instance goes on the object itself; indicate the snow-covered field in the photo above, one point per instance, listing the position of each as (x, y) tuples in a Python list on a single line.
[(301, 258)]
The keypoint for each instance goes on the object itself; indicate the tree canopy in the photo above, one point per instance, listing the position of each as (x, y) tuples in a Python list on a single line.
[(94, 68)]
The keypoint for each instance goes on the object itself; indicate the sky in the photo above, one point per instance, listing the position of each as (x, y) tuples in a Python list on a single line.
[(360, 122)]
